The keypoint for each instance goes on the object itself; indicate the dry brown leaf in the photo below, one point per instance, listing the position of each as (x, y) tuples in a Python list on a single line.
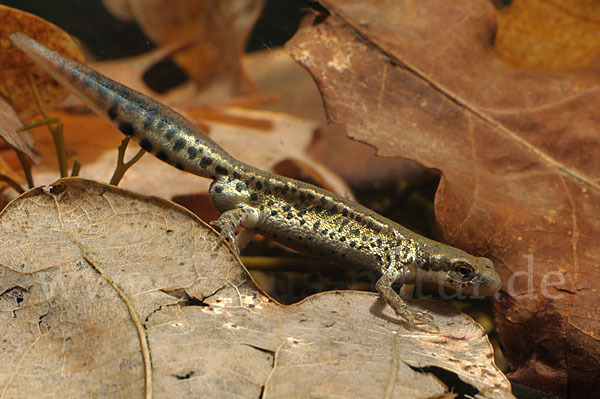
[(14, 64), (273, 70), (7, 170), (106, 292), (218, 29), (517, 148), (549, 34)]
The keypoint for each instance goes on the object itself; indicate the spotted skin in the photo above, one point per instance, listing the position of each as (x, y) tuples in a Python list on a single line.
[(296, 214)]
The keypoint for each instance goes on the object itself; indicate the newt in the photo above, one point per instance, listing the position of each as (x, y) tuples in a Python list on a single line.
[(298, 215)]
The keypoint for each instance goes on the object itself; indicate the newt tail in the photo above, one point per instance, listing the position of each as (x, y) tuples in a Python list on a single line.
[(133, 113)]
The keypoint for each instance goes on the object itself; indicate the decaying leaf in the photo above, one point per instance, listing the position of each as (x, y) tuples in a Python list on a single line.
[(15, 65), (517, 148), (271, 70), (22, 141), (106, 292)]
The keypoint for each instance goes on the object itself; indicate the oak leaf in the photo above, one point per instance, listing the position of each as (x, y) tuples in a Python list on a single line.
[(517, 149)]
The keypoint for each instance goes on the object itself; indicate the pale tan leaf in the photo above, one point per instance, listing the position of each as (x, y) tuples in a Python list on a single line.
[(273, 70)]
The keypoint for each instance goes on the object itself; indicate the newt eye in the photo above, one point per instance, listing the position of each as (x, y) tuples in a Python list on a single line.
[(462, 271)]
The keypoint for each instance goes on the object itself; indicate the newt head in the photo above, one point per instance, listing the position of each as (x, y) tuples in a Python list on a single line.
[(458, 271)]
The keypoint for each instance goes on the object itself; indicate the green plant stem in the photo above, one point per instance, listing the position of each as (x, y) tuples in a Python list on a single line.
[(26, 168), (41, 122), (76, 168), (61, 151), (12, 183), (123, 166), (56, 130)]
